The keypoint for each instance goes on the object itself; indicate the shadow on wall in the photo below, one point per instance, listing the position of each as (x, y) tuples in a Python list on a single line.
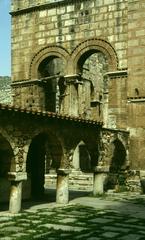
[(81, 158), (116, 174), (6, 156), (44, 154)]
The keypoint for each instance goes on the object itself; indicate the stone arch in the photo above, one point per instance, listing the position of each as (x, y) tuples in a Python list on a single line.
[(112, 147), (118, 161), (88, 47), (117, 164), (45, 149), (44, 53), (81, 157), (6, 165)]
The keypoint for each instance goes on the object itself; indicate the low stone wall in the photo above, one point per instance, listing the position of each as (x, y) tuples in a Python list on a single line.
[(77, 181)]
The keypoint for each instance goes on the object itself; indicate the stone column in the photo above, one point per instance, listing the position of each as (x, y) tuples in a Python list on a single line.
[(16, 191), (62, 190), (84, 97), (71, 95), (15, 196), (100, 175)]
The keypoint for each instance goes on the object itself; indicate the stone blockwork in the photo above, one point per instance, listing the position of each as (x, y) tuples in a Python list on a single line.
[(136, 84), (74, 31), (31, 137), (5, 90), (80, 63), (65, 24)]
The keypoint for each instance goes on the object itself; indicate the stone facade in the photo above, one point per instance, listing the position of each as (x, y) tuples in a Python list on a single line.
[(27, 139), (66, 37), (82, 60)]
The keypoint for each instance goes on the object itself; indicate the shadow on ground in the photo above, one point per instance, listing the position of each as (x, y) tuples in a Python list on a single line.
[(49, 197), (120, 217)]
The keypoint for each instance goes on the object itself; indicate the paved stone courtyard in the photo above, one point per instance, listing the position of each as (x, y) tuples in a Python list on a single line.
[(110, 216)]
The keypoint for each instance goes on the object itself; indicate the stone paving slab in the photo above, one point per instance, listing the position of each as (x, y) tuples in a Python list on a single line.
[(84, 218)]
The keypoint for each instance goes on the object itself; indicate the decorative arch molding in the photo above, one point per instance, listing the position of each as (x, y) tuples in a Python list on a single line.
[(43, 53), (93, 45)]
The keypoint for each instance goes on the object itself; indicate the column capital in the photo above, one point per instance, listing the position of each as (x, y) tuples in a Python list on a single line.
[(101, 169), (63, 171), (17, 176)]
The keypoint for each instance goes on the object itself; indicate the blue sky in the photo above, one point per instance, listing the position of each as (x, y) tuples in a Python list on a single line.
[(5, 38)]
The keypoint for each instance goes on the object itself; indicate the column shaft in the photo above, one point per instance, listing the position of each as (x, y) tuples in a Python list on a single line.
[(62, 194), (15, 196), (98, 187)]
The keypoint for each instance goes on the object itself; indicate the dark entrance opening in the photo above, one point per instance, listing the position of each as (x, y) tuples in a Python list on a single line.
[(50, 71), (6, 156), (44, 153)]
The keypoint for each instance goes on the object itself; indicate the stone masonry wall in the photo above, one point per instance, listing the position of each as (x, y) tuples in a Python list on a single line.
[(66, 25), (41, 24), (5, 90), (136, 82)]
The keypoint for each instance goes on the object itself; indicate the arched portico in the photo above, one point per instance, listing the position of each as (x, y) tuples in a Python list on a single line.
[(39, 135)]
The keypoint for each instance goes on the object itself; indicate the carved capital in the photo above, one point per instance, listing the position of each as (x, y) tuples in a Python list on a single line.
[(17, 176), (63, 171)]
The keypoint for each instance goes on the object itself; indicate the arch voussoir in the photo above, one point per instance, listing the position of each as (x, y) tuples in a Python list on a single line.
[(94, 45), (43, 53)]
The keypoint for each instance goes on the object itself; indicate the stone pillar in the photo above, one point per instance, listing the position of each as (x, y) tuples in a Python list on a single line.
[(15, 196), (76, 160), (71, 95), (100, 175), (16, 191), (62, 190), (84, 97)]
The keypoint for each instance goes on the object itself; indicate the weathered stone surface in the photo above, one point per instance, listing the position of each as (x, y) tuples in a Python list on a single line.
[(82, 59)]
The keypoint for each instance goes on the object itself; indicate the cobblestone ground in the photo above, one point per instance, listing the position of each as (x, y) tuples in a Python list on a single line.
[(108, 217)]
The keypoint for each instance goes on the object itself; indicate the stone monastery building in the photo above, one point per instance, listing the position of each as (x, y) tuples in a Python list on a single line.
[(78, 85)]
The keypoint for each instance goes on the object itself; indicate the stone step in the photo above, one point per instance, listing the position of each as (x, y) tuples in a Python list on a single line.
[(77, 180)]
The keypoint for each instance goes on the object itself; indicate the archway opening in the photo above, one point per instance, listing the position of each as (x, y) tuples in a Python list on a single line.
[(119, 156), (51, 70), (92, 66), (81, 178), (44, 153), (81, 158), (117, 177), (6, 165), (51, 66)]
